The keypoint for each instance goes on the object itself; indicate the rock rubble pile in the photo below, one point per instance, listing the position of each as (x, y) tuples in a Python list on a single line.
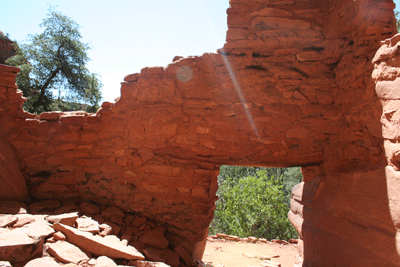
[(51, 233)]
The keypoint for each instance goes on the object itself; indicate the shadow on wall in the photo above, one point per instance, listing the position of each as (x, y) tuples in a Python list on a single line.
[(12, 183), (348, 213)]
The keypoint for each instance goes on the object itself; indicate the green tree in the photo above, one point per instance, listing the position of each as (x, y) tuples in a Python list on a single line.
[(397, 15), (255, 201), (54, 62)]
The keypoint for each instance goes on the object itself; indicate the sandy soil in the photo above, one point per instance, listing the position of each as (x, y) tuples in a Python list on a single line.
[(223, 253)]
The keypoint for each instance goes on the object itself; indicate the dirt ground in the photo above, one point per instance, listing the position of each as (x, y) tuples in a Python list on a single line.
[(223, 253)]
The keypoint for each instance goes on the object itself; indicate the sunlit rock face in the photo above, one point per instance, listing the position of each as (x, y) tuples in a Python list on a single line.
[(292, 86)]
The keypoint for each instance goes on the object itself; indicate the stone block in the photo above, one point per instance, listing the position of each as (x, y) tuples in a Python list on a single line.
[(97, 244)]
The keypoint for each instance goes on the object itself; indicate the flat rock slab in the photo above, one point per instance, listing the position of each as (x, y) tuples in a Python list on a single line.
[(66, 219), (87, 224), (7, 220), (97, 244), (43, 262), (66, 252), (17, 246), (37, 229), (23, 219)]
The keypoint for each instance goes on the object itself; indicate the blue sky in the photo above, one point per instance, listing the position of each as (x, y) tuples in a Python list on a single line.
[(128, 35)]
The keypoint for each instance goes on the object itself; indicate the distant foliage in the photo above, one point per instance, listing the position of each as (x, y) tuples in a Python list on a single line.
[(53, 68), (255, 202)]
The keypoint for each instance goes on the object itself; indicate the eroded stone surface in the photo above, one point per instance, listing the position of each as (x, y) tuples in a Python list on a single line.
[(87, 224), (155, 238), (17, 246), (12, 207), (66, 252), (104, 261), (7, 220), (168, 256), (42, 262), (23, 219), (292, 86), (97, 244), (67, 219), (89, 208)]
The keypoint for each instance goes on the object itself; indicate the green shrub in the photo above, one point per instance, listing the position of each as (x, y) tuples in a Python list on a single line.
[(255, 205)]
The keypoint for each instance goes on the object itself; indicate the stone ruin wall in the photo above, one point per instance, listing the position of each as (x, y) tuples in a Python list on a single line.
[(291, 87)]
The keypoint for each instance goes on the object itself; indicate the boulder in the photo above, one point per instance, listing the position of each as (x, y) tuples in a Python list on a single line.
[(87, 224), (59, 236), (42, 262), (66, 252), (105, 229), (37, 229), (104, 261), (17, 246), (97, 244), (7, 220), (66, 219), (23, 219)]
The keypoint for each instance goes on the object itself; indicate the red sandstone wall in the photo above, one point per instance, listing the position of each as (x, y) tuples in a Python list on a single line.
[(12, 183), (341, 205), (291, 87), (386, 75)]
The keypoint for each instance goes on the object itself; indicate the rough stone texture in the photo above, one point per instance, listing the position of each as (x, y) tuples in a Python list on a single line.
[(12, 182), (12, 207), (23, 219), (66, 252), (386, 75), (97, 245), (67, 219), (41, 262), (7, 220), (292, 86), (155, 238), (17, 246), (86, 224), (164, 255), (104, 261), (89, 208), (7, 49)]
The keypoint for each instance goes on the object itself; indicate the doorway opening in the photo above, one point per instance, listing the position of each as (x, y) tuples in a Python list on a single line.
[(255, 201)]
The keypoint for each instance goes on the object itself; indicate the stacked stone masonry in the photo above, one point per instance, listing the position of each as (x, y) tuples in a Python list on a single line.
[(292, 86)]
